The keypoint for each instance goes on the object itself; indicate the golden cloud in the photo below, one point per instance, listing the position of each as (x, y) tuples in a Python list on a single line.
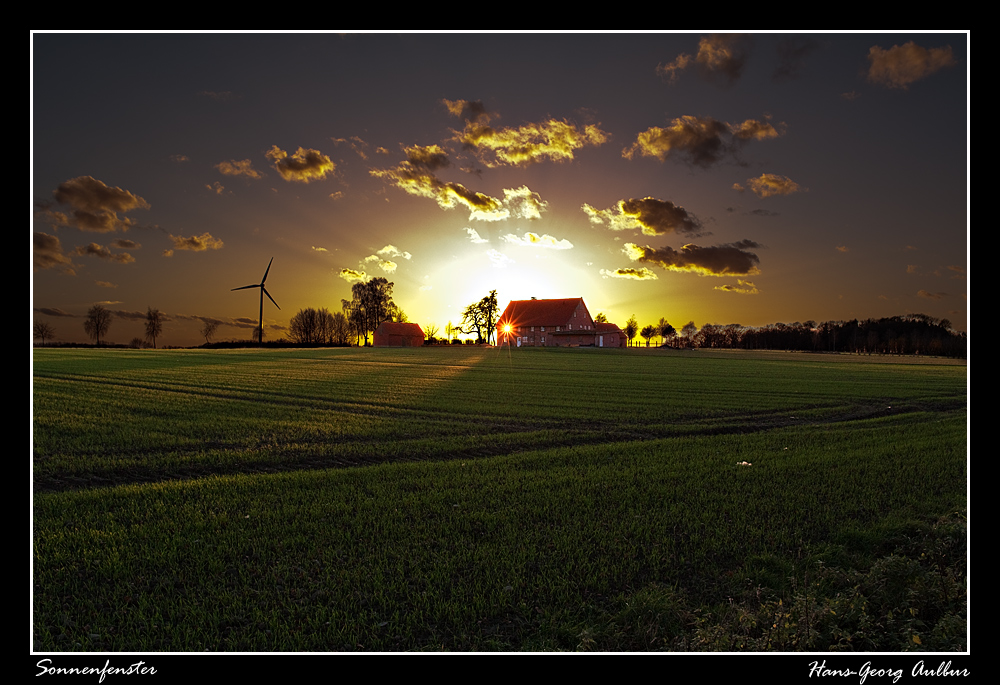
[(767, 185), (198, 243), (640, 274), (304, 166), (551, 140), (243, 167), (899, 66)]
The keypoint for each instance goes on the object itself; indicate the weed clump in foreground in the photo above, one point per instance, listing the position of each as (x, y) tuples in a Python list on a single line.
[(912, 599)]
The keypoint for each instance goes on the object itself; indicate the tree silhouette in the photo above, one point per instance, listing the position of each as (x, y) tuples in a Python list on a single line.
[(631, 328), (648, 332), (208, 330), (481, 316), (600, 318), (97, 323), (371, 305), (664, 330), (154, 324), (44, 331)]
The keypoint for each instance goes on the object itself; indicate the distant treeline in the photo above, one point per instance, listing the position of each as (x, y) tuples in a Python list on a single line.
[(911, 334)]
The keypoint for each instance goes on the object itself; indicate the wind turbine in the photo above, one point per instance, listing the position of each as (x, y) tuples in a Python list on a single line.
[(263, 292)]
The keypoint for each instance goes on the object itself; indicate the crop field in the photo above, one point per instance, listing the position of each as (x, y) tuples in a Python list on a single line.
[(477, 499)]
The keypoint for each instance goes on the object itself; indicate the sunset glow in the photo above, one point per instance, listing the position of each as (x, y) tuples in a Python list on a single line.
[(716, 179)]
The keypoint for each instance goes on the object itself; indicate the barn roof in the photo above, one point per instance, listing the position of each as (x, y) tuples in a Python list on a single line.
[(541, 312), (394, 328), (606, 327)]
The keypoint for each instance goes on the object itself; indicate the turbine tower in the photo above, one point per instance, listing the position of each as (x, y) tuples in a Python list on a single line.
[(263, 292)]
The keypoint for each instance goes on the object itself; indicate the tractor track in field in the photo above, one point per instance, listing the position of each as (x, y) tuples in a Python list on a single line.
[(493, 439)]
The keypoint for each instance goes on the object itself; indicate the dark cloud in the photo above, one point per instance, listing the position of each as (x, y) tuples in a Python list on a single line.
[(792, 53), (702, 141), (47, 253), (102, 252), (733, 259), (94, 205), (652, 216), (53, 311)]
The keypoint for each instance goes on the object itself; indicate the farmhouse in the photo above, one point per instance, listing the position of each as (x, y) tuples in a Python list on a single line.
[(390, 334), (555, 323)]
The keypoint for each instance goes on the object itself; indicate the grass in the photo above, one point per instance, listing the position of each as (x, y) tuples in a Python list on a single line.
[(327, 500)]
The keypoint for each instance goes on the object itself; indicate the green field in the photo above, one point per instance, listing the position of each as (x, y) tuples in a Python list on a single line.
[(478, 499)]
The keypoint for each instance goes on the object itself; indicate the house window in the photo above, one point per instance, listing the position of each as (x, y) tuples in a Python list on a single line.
[(570, 327), (543, 330)]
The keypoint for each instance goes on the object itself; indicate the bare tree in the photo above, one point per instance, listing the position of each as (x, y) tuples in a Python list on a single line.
[(430, 330), (154, 324), (44, 331), (97, 323), (208, 330)]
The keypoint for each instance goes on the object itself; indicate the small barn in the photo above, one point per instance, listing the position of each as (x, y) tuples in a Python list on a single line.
[(391, 334)]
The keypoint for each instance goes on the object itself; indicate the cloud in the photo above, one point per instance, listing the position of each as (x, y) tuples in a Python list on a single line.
[(413, 177), (94, 205), (651, 216), (499, 259), (393, 251), (899, 66), (53, 311), (702, 141), (931, 296), (534, 240), (554, 140), (125, 244), (792, 52), (468, 110), (350, 275), (386, 265), (243, 167), (359, 146), (767, 185), (733, 259), (318, 249), (641, 274), (720, 58), (524, 204), (742, 287), (304, 166), (105, 284), (474, 236), (101, 252), (47, 253), (843, 248), (198, 243), (430, 157)]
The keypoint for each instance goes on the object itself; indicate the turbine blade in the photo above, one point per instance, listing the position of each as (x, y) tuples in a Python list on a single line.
[(264, 290), (246, 286), (265, 271)]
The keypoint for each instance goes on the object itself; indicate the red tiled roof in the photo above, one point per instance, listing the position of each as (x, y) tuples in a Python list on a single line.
[(541, 312), (393, 328), (606, 327)]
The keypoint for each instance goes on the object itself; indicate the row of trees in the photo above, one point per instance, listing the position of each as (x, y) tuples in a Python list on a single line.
[(319, 326), (910, 334)]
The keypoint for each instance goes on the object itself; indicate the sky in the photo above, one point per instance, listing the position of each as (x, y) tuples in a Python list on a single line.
[(713, 178)]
